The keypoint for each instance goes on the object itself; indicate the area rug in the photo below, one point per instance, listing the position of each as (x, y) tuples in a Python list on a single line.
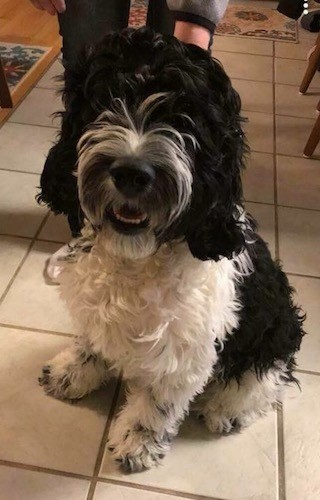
[(240, 20), (18, 60), (257, 22), (23, 66)]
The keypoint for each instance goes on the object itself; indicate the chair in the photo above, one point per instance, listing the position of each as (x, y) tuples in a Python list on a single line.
[(5, 96), (313, 66)]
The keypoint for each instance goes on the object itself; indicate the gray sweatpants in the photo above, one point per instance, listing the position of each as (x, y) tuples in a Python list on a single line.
[(87, 21)]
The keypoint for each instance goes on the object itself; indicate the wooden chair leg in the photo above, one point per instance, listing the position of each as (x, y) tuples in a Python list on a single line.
[(5, 96), (313, 65), (313, 140), (318, 106)]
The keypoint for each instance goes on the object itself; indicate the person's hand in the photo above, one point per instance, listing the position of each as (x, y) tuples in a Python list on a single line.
[(192, 33), (51, 6)]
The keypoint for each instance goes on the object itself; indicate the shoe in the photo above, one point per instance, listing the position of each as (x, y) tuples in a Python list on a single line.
[(311, 21), (55, 263)]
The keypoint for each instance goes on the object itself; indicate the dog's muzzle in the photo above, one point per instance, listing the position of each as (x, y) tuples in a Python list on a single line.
[(132, 178)]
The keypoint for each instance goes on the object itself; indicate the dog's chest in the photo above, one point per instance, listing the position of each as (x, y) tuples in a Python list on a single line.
[(150, 314)]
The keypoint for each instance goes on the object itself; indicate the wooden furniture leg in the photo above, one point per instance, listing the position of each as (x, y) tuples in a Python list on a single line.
[(5, 96), (313, 140), (313, 65)]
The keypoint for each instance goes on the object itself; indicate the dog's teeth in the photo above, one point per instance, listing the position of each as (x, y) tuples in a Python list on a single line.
[(130, 221)]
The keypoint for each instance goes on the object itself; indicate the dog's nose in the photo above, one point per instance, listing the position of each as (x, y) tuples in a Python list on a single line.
[(132, 177)]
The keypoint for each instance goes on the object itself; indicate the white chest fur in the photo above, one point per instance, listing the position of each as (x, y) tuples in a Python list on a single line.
[(156, 316)]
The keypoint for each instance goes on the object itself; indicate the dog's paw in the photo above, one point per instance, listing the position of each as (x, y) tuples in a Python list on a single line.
[(138, 448), (72, 376), (219, 424), (57, 385)]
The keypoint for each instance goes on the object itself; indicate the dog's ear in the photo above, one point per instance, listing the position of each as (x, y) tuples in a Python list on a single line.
[(217, 226)]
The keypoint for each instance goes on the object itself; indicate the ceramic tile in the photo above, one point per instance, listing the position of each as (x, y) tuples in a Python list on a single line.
[(299, 240), (246, 66), (31, 301), (244, 45), (37, 429), (293, 50), (298, 182), (220, 466), (260, 100), (264, 215), (37, 109), (49, 79), (291, 72), (307, 36), (259, 130), (106, 491), (12, 251), (258, 180), (289, 102), (56, 228), (25, 147), (307, 297), (20, 214), (292, 135), (302, 440), (19, 484)]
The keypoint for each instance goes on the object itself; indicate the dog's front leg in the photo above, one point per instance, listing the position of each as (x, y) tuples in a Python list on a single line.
[(142, 433), (74, 372)]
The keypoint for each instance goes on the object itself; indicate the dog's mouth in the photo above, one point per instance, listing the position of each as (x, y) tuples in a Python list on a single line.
[(128, 219)]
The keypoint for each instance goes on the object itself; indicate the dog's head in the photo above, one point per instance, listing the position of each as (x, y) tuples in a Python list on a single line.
[(161, 157)]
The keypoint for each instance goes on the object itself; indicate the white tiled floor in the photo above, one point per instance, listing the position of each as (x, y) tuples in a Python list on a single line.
[(52, 450)]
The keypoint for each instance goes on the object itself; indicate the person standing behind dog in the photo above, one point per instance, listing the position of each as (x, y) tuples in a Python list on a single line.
[(84, 22)]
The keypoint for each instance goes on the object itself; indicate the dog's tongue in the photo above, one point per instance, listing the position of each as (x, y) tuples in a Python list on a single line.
[(129, 213)]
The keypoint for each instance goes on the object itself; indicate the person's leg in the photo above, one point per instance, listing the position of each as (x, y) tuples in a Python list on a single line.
[(159, 17), (86, 21)]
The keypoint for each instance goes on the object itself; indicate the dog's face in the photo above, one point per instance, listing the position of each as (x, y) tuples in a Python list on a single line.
[(162, 159), (135, 172)]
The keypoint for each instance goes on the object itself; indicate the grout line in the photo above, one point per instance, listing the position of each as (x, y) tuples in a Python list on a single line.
[(45, 470), (104, 439), (281, 494), (275, 174), (308, 372), (3, 296), (303, 275), (19, 171), (36, 330), (214, 51), (155, 489), (33, 124), (43, 240), (315, 158), (55, 89), (281, 206), (280, 438)]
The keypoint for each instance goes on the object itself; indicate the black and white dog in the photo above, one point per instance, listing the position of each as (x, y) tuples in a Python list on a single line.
[(169, 283)]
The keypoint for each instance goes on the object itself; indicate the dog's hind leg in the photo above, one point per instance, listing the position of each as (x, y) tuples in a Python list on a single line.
[(74, 372), (234, 405)]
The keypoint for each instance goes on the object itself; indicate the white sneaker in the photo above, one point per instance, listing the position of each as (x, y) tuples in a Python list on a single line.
[(55, 263)]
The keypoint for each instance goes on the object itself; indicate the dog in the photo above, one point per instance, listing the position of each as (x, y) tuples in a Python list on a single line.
[(169, 283)]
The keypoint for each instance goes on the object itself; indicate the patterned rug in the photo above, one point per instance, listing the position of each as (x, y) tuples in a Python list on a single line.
[(239, 20), (258, 22), (18, 60)]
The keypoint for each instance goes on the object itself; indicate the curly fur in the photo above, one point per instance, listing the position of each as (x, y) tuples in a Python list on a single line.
[(191, 305)]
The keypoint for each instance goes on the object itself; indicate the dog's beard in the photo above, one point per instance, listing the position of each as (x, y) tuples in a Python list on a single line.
[(134, 226)]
